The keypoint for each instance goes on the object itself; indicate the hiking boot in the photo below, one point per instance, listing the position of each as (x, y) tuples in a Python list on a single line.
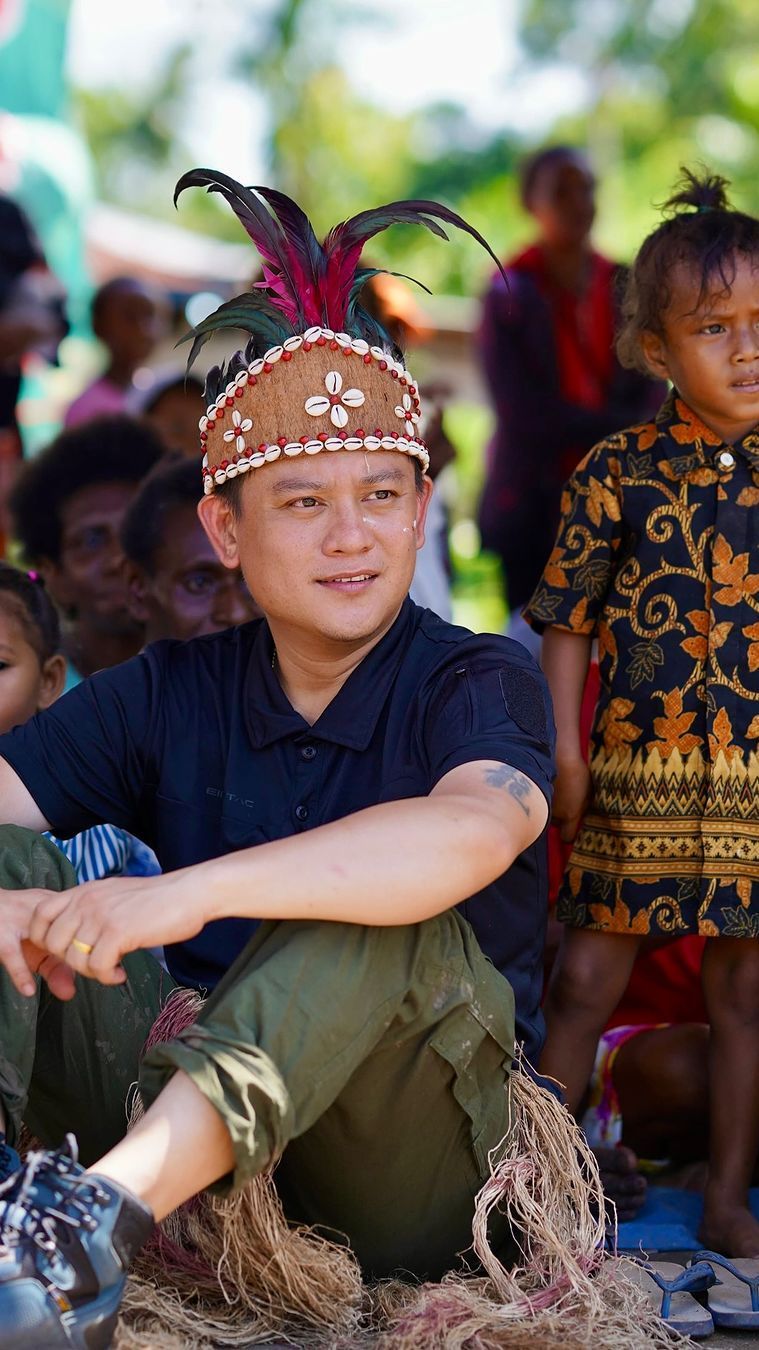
[(66, 1240), (9, 1159)]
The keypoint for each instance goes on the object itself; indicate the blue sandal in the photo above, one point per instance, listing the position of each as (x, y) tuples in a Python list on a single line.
[(736, 1302), (670, 1288)]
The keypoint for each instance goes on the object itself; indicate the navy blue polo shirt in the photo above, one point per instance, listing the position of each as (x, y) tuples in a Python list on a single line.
[(194, 747)]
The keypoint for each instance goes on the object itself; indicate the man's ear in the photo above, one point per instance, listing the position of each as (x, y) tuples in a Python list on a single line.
[(655, 354), (137, 591), (423, 498), (53, 680), (220, 524)]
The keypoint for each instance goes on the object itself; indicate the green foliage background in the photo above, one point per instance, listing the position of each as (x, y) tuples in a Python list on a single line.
[(666, 82)]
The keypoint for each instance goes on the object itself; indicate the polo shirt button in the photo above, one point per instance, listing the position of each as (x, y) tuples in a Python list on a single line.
[(726, 460), (308, 752), (301, 812)]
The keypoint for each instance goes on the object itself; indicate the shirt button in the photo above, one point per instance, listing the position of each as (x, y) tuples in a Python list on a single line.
[(308, 752), (301, 812), (726, 460)]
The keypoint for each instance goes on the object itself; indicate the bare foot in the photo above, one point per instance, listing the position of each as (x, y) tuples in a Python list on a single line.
[(728, 1227), (622, 1182)]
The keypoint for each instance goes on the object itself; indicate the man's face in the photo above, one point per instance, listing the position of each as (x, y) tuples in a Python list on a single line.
[(188, 592), (88, 579), (327, 542)]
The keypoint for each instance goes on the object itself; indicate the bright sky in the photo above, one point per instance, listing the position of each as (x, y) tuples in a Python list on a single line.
[(402, 53)]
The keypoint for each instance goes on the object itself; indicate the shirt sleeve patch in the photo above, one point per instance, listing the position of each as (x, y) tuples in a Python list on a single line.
[(524, 700)]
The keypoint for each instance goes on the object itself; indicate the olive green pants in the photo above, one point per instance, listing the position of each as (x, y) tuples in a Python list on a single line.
[(372, 1061)]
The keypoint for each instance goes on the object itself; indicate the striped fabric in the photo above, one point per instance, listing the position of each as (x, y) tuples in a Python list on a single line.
[(107, 851)]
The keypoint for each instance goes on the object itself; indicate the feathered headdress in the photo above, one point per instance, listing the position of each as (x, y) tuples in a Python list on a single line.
[(308, 302)]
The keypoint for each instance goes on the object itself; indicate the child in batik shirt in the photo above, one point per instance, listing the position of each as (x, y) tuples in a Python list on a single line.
[(657, 558)]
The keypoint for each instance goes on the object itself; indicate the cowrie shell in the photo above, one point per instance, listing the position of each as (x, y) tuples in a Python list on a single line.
[(292, 344), (333, 381), (372, 442), (311, 334), (334, 443), (273, 355), (317, 405), (338, 416)]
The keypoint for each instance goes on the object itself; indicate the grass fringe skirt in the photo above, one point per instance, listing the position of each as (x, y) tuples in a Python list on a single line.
[(233, 1273)]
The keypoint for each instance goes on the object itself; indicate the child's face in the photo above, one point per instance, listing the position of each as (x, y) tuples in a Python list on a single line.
[(26, 684), (133, 321), (88, 579), (190, 593), (711, 354), (175, 418)]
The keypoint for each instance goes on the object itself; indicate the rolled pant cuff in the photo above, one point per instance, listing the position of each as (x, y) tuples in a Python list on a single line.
[(241, 1083)]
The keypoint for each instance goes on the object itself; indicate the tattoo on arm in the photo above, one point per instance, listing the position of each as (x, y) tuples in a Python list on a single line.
[(516, 784)]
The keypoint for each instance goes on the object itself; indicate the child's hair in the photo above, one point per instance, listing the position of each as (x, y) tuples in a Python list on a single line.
[(703, 234), (23, 595), (186, 384), (116, 449), (173, 482)]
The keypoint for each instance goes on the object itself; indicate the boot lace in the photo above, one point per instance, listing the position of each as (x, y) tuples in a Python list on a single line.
[(23, 1214)]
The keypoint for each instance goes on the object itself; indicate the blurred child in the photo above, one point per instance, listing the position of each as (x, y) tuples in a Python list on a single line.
[(32, 675), (67, 508), (130, 319), (177, 588), (173, 407), (655, 558)]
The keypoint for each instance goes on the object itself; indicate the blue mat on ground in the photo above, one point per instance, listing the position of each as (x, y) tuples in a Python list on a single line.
[(668, 1222)]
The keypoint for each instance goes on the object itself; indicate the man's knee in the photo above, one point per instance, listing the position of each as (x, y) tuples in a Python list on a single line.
[(28, 861)]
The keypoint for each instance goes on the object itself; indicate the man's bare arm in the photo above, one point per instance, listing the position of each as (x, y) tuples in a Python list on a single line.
[(400, 862), (396, 863), (17, 805)]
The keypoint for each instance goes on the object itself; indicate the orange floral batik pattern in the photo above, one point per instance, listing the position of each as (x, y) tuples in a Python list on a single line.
[(657, 556)]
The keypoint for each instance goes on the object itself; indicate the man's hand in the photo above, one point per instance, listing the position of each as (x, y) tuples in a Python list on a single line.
[(92, 926), (572, 793), (22, 958)]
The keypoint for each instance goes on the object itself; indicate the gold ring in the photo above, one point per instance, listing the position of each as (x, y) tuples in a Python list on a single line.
[(85, 947)]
